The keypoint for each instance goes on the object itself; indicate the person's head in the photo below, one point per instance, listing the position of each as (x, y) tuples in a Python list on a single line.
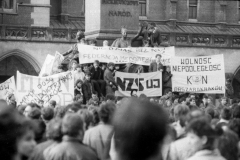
[(105, 43), (53, 130), (52, 103), (226, 113), (93, 42), (83, 41), (209, 100), (182, 100), (73, 107), (72, 126), (168, 68), (78, 98), (192, 101), (201, 135), (106, 112), (158, 57), (205, 99), (40, 103), (234, 125), (96, 64), (29, 108), (175, 100), (35, 113), (111, 66), (103, 66), (74, 64), (21, 109), (223, 100), (181, 111), (236, 111), (47, 114), (87, 117), (192, 95), (79, 83), (88, 76), (143, 97), (85, 68), (79, 68), (124, 32), (80, 35), (110, 97), (168, 103), (228, 145), (134, 92), (210, 111), (117, 67), (140, 127), (60, 69)]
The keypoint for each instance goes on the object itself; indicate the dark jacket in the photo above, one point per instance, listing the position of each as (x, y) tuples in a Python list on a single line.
[(153, 67), (96, 73), (87, 89), (108, 77), (167, 79), (71, 149), (39, 149)]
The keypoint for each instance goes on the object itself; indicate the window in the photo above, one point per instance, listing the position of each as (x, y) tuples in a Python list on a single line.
[(193, 9), (8, 6), (239, 10), (142, 8)]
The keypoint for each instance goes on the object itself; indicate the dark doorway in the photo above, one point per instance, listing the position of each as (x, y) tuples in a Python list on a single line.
[(10, 65)]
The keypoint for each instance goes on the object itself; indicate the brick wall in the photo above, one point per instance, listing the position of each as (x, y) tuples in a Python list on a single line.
[(206, 11), (75, 8), (156, 9)]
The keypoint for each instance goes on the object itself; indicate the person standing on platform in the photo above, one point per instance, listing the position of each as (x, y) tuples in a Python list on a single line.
[(156, 65)]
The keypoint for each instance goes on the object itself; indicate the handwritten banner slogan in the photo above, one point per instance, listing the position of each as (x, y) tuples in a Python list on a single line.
[(149, 84), (198, 74), (8, 87), (59, 87), (141, 56)]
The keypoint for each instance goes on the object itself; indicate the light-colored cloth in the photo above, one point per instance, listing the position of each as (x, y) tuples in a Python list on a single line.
[(179, 129), (181, 149), (98, 137), (70, 149), (79, 75), (207, 155)]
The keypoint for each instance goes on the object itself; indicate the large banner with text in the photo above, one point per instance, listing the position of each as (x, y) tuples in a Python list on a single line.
[(6, 88), (59, 87), (141, 56), (130, 84), (205, 74)]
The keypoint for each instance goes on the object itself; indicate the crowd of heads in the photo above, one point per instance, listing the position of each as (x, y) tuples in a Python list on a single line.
[(141, 127)]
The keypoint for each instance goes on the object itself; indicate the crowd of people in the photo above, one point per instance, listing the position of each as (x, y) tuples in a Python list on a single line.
[(175, 127)]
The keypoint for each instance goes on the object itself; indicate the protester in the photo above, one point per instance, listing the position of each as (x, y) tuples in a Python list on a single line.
[(110, 81), (132, 140), (52, 103), (98, 136), (47, 114), (87, 88), (71, 146), (167, 80), (202, 138), (29, 108), (53, 135), (78, 87), (98, 84), (156, 65), (78, 73)]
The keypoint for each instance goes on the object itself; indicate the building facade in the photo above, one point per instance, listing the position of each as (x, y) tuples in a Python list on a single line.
[(31, 29)]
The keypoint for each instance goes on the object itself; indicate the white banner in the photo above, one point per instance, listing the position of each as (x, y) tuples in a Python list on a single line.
[(149, 84), (205, 74), (141, 56), (57, 61), (47, 65), (8, 87), (59, 87)]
